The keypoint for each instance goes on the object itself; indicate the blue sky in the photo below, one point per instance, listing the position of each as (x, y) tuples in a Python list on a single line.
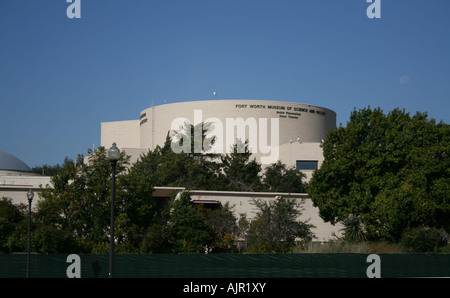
[(60, 77)]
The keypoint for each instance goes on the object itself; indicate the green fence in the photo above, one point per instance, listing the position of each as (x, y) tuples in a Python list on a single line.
[(228, 265)]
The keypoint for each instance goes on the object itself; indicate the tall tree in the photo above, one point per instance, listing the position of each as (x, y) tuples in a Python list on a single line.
[(392, 172), (77, 207), (238, 171), (223, 224), (189, 164), (193, 140), (12, 225), (136, 208), (189, 232)]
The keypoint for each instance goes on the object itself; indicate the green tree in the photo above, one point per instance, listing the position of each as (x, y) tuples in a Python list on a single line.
[(180, 169), (276, 226), (137, 209), (390, 171), (279, 178), (55, 232), (12, 224), (423, 240), (189, 232), (238, 171), (193, 140), (46, 170), (222, 222), (156, 240), (187, 163), (77, 207)]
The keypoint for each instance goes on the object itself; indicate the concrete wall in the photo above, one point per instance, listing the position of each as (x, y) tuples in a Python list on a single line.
[(124, 133), (242, 203), (303, 122), (307, 122), (291, 152), (16, 187)]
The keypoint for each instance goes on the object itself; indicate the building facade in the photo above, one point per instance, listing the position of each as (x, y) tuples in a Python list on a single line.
[(275, 130), (289, 132), (16, 178)]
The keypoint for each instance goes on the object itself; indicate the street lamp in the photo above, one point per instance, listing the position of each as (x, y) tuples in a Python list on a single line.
[(30, 195), (113, 155)]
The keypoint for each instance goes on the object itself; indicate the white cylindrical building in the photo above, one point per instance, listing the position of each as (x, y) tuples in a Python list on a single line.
[(271, 127), (277, 131)]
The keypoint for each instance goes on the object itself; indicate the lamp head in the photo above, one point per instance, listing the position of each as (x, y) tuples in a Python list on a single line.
[(30, 195), (113, 153)]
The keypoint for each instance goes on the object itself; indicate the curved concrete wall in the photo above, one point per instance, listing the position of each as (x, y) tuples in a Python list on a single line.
[(278, 121)]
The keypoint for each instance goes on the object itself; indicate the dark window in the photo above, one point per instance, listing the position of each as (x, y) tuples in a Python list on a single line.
[(307, 164)]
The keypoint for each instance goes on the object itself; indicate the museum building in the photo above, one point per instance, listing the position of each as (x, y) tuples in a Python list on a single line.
[(286, 131)]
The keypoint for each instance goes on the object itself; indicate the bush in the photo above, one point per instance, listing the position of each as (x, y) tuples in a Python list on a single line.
[(423, 240)]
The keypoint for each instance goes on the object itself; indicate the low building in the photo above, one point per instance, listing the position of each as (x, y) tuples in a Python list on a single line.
[(16, 178), (241, 203)]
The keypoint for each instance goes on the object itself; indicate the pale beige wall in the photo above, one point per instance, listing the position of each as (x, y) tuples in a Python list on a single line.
[(134, 153), (295, 121), (242, 203), (291, 152), (298, 137), (123, 133), (16, 187)]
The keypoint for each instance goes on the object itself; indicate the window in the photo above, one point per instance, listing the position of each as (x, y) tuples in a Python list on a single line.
[(306, 164)]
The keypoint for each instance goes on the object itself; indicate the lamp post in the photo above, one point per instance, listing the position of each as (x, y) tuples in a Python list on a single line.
[(30, 195), (113, 155)]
